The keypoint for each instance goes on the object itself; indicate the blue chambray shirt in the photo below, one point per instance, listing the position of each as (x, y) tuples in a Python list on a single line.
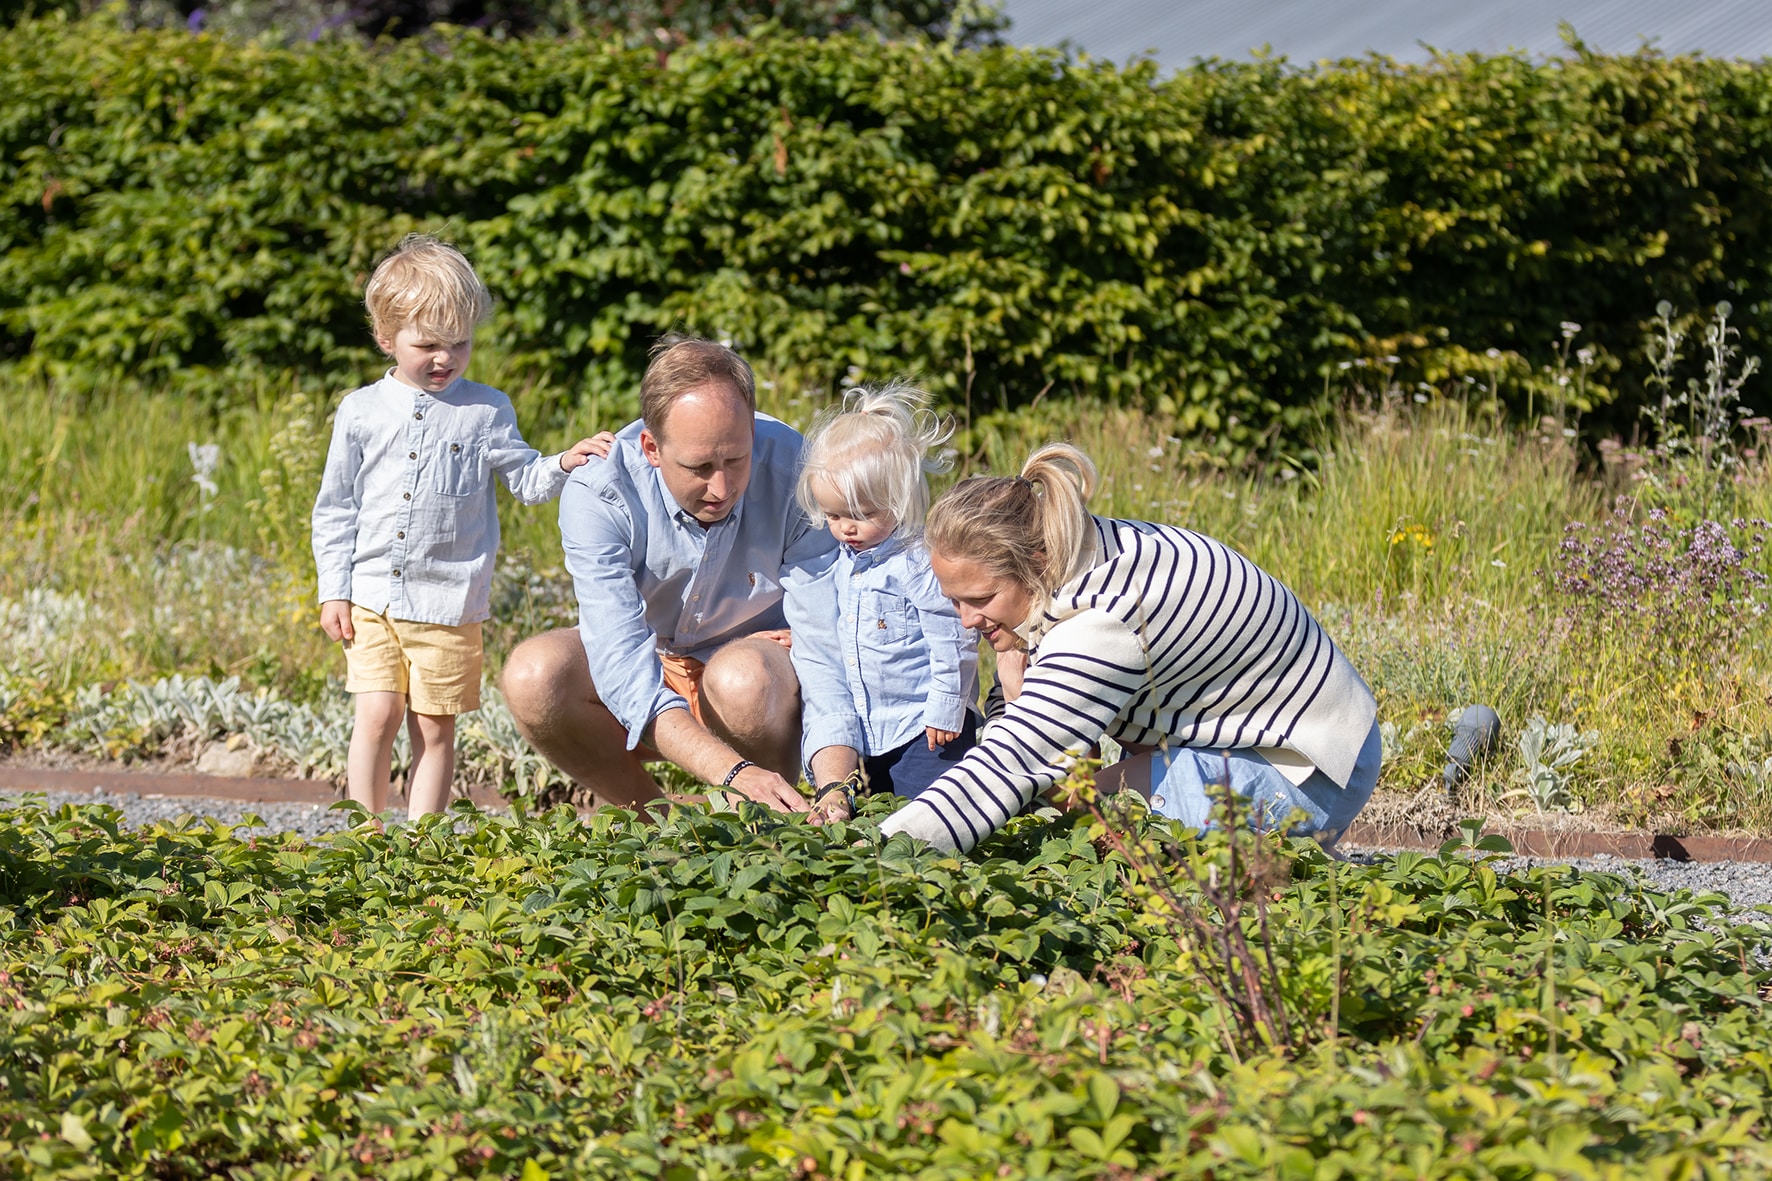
[(910, 664), (405, 524), (652, 578)]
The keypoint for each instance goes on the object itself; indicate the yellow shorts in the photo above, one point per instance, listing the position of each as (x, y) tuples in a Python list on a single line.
[(435, 666)]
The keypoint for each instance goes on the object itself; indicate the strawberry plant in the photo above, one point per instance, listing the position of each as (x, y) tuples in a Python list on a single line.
[(725, 995)]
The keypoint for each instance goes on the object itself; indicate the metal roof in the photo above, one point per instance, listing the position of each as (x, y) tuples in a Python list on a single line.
[(1175, 32)]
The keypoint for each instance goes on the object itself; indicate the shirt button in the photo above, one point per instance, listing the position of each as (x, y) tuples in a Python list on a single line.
[(418, 414), (401, 535), (396, 574), (405, 496), (412, 455)]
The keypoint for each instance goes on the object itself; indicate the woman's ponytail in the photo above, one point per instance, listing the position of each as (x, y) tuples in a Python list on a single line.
[(1065, 480), (1029, 528)]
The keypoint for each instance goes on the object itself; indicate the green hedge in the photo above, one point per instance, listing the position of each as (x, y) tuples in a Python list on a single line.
[(1004, 222)]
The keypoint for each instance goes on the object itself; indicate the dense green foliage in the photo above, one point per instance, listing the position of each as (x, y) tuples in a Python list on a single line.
[(657, 23), (716, 996), (1004, 222)]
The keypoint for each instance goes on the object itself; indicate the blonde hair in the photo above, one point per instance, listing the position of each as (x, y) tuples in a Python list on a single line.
[(427, 284), (1029, 528), (875, 453), (682, 363)]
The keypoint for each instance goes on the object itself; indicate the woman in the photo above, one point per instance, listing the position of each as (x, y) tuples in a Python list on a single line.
[(1179, 648)]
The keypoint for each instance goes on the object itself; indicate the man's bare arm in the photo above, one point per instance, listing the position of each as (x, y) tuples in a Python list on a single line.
[(677, 736)]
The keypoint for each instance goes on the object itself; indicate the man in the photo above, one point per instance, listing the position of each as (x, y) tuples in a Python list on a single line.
[(706, 626)]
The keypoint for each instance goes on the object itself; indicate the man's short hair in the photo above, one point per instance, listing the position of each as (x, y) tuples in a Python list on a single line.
[(426, 284), (683, 363)]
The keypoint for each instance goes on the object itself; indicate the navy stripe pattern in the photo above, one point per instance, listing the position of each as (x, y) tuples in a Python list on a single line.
[(1170, 638)]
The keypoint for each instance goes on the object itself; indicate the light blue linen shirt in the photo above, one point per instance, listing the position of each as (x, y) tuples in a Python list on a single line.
[(405, 524), (910, 664), (652, 578)]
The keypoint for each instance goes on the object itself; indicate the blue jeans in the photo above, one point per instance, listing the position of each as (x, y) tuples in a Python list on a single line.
[(1181, 779), (906, 770)]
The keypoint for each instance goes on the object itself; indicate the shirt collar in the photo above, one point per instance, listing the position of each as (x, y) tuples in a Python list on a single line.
[(687, 519), (874, 555), (414, 390)]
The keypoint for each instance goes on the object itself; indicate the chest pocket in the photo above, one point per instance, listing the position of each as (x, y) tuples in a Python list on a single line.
[(887, 620), (460, 469)]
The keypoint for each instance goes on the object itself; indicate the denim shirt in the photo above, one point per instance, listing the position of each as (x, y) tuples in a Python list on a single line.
[(405, 523), (910, 664), (652, 578)]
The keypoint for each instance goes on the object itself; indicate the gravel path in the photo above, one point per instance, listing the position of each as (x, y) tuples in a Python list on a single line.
[(1747, 884), (308, 820)]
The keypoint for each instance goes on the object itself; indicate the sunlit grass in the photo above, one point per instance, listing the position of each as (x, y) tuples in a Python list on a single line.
[(1423, 537)]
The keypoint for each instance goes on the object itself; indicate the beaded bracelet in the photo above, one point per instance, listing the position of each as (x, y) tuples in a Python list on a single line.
[(733, 774)]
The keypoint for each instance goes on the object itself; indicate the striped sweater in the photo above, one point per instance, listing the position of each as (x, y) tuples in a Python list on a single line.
[(1169, 637)]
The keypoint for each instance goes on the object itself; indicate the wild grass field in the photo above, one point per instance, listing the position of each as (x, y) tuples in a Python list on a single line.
[(1607, 601)]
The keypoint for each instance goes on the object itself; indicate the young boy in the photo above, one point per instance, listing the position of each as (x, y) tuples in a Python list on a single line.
[(405, 527)]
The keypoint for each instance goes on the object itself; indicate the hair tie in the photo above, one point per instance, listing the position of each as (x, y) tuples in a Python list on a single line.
[(1024, 482)]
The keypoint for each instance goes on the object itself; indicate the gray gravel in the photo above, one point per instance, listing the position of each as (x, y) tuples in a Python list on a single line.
[(308, 820), (1746, 884)]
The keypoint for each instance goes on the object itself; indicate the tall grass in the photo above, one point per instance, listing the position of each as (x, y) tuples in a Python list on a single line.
[(1427, 538)]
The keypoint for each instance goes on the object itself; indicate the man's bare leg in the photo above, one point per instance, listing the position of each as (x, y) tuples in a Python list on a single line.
[(750, 698), (547, 684)]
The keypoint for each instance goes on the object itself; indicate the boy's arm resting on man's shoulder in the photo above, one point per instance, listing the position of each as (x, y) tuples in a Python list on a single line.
[(333, 528), (953, 654), (533, 478), (809, 600)]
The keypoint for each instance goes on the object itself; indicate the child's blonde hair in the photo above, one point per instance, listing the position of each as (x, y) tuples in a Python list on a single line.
[(874, 452), (427, 284)]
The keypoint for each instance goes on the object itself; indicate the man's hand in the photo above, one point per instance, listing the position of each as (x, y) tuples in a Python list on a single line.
[(939, 737), (763, 786), (335, 620), (580, 452), (1011, 667), (780, 635)]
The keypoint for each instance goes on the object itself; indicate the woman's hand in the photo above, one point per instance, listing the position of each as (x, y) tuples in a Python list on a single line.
[(1011, 667), (938, 738)]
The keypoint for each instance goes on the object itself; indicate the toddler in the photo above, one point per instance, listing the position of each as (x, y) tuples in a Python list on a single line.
[(912, 669), (405, 528)]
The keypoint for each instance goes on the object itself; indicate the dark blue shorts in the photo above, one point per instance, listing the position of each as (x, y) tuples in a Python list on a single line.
[(906, 770)]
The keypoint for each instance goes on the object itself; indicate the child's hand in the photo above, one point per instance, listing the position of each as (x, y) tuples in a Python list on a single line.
[(335, 620), (581, 451), (940, 737)]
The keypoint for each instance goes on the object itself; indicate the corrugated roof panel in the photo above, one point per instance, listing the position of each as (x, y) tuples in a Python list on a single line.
[(1176, 32)]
